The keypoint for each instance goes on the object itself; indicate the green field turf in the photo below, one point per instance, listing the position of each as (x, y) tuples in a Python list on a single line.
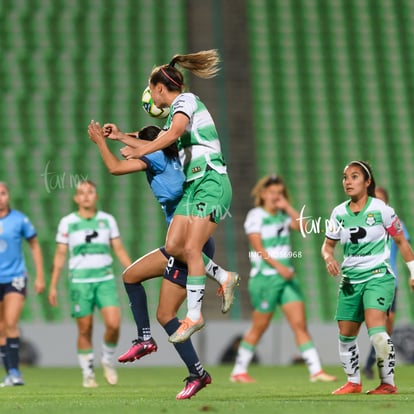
[(152, 390)]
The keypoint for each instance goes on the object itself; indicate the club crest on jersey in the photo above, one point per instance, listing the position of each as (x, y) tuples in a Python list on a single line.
[(370, 219)]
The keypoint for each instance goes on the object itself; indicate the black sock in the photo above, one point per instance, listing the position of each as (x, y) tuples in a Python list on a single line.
[(185, 349), (139, 308), (3, 357), (12, 352)]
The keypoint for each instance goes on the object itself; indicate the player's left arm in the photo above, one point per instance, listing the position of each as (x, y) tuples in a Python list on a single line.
[(120, 252), (163, 140), (395, 229), (37, 255), (407, 254)]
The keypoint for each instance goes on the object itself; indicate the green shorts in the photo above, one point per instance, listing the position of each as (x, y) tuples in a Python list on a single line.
[(268, 292), (209, 195), (85, 296), (353, 299)]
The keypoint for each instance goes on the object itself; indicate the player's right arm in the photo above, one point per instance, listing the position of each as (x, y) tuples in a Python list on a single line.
[(327, 251), (58, 263), (131, 139)]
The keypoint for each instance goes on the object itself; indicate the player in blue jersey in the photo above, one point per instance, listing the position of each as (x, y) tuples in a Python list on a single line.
[(164, 169), (14, 228), (363, 225), (382, 194)]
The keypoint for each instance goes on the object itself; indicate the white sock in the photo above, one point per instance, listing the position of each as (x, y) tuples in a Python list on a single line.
[(214, 271), (384, 349), (146, 333), (108, 353), (311, 358), (245, 355), (86, 363), (349, 357), (195, 293)]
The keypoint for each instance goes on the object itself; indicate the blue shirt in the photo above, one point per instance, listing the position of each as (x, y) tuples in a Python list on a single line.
[(166, 178), (394, 251), (13, 229)]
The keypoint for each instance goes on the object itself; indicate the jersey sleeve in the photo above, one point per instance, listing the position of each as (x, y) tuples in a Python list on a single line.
[(28, 230), (391, 221), (185, 104), (113, 227), (253, 222), (155, 161), (333, 227), (62, 235)]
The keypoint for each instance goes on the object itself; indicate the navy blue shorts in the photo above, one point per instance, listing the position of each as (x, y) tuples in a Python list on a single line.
[(176, 271), (18, 284)]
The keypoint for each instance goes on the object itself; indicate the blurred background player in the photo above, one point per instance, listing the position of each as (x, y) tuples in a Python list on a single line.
[(363, 224), (272, 280), (14, 227), (382, 194), (89, 235)]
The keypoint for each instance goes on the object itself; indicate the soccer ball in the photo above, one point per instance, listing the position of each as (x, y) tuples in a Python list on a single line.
[(149, 106)]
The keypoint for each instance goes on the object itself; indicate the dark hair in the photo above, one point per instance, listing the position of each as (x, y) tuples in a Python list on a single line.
[(368, 175), (150, 132), (265, 182), (169, 76)]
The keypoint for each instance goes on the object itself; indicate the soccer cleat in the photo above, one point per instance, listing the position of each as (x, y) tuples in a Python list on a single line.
[(348, 388), (227, 289), (194, 384), (109, 373), (384, 389), (138, 349), (243, 377), (89, 381), (186, 329), (6, 382), (322, 376), (12, 379)]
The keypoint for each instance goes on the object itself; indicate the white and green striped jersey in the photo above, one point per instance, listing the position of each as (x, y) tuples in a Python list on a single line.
[(89, 244), (199, 146), (364, 236), (274, 230)]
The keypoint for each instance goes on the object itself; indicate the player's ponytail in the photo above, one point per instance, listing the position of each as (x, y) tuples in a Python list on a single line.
[(203, 64)]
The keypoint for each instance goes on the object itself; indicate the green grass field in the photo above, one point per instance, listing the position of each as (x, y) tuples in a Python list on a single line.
[(152, 390)]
